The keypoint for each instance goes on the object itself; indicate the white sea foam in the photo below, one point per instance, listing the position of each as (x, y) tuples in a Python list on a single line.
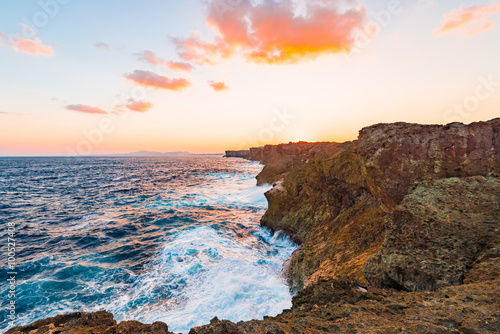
[(219, 189), (206, 273)]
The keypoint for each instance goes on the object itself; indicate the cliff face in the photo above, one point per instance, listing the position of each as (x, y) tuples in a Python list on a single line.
[(397, 155), (278, 159), (342, 204), (436, 234), (245, 154)]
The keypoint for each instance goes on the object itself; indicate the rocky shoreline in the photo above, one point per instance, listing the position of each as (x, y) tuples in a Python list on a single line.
[(399, 233)]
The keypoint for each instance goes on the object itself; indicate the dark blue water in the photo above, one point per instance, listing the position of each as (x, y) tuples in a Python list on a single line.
[(169, 239)]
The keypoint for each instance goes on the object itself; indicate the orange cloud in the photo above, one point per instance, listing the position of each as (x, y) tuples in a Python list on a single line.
[(218, 86), (150, 79), (179, 66), (274, 32), (30, 45), (140, 106), (468, 21), (85, 109), (150, 58)]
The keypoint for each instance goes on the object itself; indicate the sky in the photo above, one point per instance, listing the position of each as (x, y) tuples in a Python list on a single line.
[(99, 77)]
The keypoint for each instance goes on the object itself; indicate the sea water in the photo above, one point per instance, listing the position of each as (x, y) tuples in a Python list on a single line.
[(149, 239)]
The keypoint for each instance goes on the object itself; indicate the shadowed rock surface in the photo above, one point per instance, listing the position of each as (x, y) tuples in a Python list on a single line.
[(437, 233), (245, 154), (399, 233)]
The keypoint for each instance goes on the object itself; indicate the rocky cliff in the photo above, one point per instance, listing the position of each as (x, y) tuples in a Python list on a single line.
[(245, 154), (398, 232), (358, 208)]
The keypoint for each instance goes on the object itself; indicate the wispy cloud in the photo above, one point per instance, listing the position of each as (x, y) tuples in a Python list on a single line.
[(151, 79), (426, 3), (151, 58), (86, 109), (101, 46), (468, 21), (12, 113), (26, 42), (218, 86), (274, 31)]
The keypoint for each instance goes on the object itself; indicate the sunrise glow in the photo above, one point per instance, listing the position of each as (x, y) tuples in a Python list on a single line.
[(93, 77)]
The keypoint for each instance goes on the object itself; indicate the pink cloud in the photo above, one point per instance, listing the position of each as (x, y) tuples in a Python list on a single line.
[(134, 105), (150, 79), (101, 46), (151, 58), (218, 86), (194, 50), (468, 21), (273, 32), (27, 42), (33, 47), (140, 106), (85, 109)]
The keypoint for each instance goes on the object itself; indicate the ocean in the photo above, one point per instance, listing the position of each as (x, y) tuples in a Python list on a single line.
[(149, 239)]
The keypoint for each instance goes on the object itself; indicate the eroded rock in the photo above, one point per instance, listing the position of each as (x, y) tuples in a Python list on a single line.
[(436, 234)]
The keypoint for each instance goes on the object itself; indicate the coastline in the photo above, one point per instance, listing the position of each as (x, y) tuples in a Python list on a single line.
[(374, 218)]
